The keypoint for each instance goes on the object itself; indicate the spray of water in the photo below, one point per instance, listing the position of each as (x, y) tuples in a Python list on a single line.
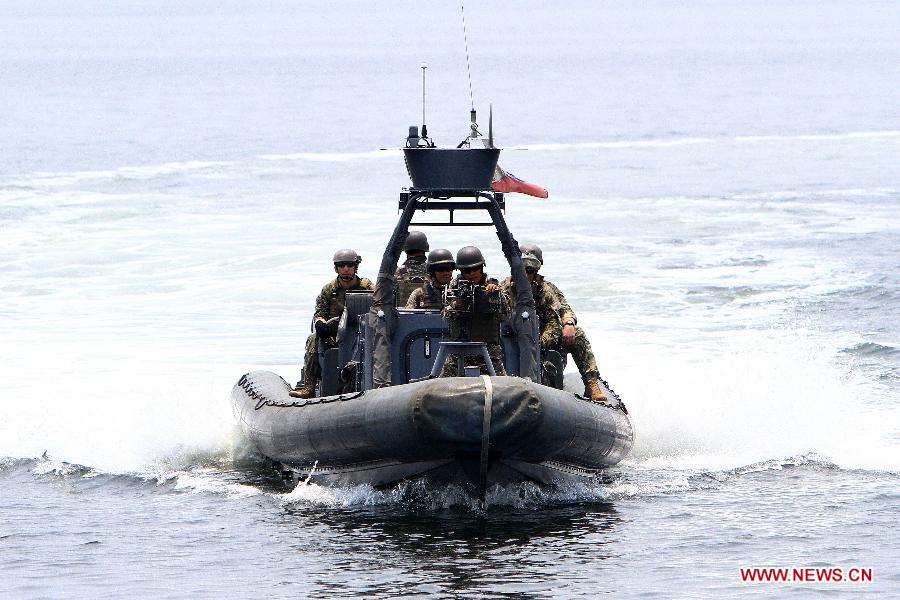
[(768, 399)]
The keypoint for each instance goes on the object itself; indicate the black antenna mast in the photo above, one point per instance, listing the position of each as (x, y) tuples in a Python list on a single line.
[(490, 126)]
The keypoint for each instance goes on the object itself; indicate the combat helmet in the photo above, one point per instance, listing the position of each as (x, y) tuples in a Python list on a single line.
[(440, 256), (469, 257), (534, 249), (531, 261), (346, 255), (416, 241)]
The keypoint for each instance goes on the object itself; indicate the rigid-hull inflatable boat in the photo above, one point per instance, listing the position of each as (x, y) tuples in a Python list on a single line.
[(437, 428), (382, 414)]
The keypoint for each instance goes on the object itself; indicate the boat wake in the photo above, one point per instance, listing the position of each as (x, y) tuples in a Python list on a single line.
[(419, 495), (631, 481), (769, 402)]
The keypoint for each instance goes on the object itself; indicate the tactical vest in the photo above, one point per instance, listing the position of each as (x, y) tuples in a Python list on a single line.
[(432, 296), (410, 277), (339, 295)]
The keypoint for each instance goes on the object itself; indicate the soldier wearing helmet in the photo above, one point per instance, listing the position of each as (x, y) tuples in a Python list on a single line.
[(329, 308), (440, 265), (534, 250), (559, 329), (478, 318), (411, 275)]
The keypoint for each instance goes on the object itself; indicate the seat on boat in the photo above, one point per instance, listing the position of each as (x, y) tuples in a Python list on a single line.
[(339, 365), (415, 343)]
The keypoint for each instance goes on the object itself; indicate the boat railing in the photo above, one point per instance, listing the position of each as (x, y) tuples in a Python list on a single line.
[(451, 201)]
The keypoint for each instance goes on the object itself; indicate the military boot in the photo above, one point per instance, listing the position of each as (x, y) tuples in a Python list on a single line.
[(306, 390), (593, 390)]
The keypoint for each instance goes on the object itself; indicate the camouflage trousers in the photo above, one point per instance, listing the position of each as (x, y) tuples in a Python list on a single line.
[(312, 370), (582, 355), (494, 351)]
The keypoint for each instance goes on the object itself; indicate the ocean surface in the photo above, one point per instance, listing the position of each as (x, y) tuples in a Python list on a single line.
[(724, 217)]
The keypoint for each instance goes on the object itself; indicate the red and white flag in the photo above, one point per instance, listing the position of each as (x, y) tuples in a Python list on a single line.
[(507, 182)]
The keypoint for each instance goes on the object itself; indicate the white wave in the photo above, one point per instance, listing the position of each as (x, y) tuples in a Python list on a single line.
[(767, 394), (71, 198), (654, 143), (611, 144), (142, 172), (334, 156), (734, 399), (58, 468), (210, 481), (146, 172), (118, 416), (416, 493), (880, 192), (815, 137), (690, 141)]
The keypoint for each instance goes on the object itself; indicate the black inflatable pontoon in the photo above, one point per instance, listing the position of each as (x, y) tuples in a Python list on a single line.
[(437, 428)]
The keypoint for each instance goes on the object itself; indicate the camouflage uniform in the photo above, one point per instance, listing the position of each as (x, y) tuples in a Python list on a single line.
[(430, 295), (329, 304), (410, 276), (551, 305), (484, 326), (546, 306)]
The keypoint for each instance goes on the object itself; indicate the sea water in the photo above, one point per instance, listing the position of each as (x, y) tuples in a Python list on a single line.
[(724, 217)]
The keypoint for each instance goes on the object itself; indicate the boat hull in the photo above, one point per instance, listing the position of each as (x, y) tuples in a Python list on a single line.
[(438, 429)]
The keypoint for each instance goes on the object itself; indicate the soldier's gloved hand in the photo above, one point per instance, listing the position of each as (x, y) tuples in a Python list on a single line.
[(568, 335), (322, 329), (333, 325)]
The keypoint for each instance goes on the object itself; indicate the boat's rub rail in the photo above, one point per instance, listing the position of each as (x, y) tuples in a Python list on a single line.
[(261, 401), (619, 405), (305, 401), (618, 400)]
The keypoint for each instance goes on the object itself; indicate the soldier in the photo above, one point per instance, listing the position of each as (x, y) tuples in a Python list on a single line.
[(478, 317), (440, 266), (329, 308), (412, 273), (563, 335)]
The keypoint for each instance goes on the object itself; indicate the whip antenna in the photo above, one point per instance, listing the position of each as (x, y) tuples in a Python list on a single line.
[(474, 126), (468, 68), (424, 129)]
